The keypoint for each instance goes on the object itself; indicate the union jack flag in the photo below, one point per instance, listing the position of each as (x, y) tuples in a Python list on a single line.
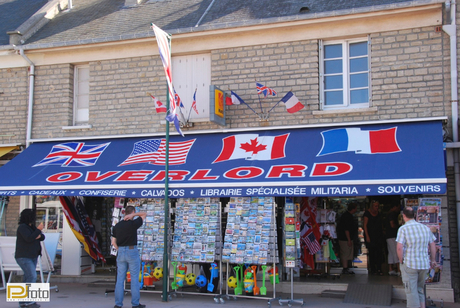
[(73, 154), (153, 151), (194, 103), (261, 89), (178, 100)]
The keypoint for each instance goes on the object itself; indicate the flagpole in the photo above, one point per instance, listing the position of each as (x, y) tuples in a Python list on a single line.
[(274, 106), (164, 297), (190, 111)]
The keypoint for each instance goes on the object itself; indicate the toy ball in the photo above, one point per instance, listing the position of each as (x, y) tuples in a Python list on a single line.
[(231, 282), (158, 273), (190, 279), (201, 281)]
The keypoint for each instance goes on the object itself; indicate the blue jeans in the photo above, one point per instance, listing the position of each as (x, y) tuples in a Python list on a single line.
[(29, 267), (127, 259)]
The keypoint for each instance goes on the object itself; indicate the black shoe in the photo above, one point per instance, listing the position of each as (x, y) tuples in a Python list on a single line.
[(139, 306), (346, 271), (116, 306)]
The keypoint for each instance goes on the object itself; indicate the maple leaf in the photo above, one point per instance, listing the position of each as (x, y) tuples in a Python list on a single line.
[(253, 146)]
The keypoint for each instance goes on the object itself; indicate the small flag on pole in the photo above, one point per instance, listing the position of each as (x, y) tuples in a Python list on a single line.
[(194, 103), (292, 103), (261, 89), (158, 105)]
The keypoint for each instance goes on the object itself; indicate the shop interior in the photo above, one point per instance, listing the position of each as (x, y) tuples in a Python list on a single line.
[(328, 211)]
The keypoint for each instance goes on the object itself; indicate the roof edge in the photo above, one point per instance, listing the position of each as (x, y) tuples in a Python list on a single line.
[(221, 26), (37, 21)]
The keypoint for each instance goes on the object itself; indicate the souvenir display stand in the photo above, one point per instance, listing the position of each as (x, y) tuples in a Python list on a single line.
[(291, 245), (197, 244), (250, 239)]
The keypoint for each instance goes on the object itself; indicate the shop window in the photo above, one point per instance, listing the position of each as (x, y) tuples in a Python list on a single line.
[(81, 95), (345, 74), (190, 73)]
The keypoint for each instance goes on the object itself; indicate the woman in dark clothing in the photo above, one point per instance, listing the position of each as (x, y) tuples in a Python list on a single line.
[(28, 248), (373, 235)]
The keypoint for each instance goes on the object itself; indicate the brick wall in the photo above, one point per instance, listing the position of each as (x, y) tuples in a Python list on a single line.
[(13, 105)]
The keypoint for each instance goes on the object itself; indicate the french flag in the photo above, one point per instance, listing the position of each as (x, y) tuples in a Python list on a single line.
[(252, 147), (381, 141), (292, 103)]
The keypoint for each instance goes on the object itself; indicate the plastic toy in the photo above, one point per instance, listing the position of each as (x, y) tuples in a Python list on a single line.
[(256, 288), (263, 289), (158, 273), (248, 282), (270, 273), (201, 281), (190, 279), (231, 282)]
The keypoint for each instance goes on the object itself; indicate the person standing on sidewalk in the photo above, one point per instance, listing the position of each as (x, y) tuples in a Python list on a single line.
[(28, 248), (413, 241), (124, 240), (346, 233), (373, 234), (392, 226)]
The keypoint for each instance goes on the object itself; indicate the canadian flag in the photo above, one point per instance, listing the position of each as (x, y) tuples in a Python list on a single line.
[(252, 147), (158, 105)]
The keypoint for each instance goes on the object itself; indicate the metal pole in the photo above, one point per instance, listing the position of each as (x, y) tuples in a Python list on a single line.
[(166, 205)]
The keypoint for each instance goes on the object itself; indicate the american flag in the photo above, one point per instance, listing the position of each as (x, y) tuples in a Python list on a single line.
[(311, 242), (163, 40), (73, 154), (194, 103), (153, 151), (81, 225), (261, 89)]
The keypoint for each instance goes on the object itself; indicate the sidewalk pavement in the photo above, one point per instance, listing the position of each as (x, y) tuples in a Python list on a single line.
[(79, 295)]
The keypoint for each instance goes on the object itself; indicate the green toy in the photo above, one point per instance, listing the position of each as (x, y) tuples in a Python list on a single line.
[(173, 283), (239, 286), (263, 289)]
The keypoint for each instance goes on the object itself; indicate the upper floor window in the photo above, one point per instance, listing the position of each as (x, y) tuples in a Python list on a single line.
[(345, 74), (190, 73), (81, 95)]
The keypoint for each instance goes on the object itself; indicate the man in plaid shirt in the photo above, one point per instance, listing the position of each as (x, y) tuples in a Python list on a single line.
[(414, 240)]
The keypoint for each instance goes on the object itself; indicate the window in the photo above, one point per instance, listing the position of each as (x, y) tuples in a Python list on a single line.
[(190, 73), (345, 74), (81, 95)]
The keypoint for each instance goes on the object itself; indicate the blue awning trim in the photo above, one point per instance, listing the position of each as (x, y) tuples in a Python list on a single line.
[(379, 159)]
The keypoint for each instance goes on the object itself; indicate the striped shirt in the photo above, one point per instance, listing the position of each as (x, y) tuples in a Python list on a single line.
[(415, 238)]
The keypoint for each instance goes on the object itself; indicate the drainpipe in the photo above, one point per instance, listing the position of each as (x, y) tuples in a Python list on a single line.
[(451, 30), (31, 96)]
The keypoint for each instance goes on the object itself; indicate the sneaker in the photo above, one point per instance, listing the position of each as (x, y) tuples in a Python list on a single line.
[(139, 306), (393, 273)]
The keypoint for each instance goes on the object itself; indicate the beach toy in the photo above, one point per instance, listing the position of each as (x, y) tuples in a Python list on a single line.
[(248, 282), (256, 288), (190, 279), (270, 273), (263, 289), (201, 281), (158, 273), (239, 285), (231, 282)]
